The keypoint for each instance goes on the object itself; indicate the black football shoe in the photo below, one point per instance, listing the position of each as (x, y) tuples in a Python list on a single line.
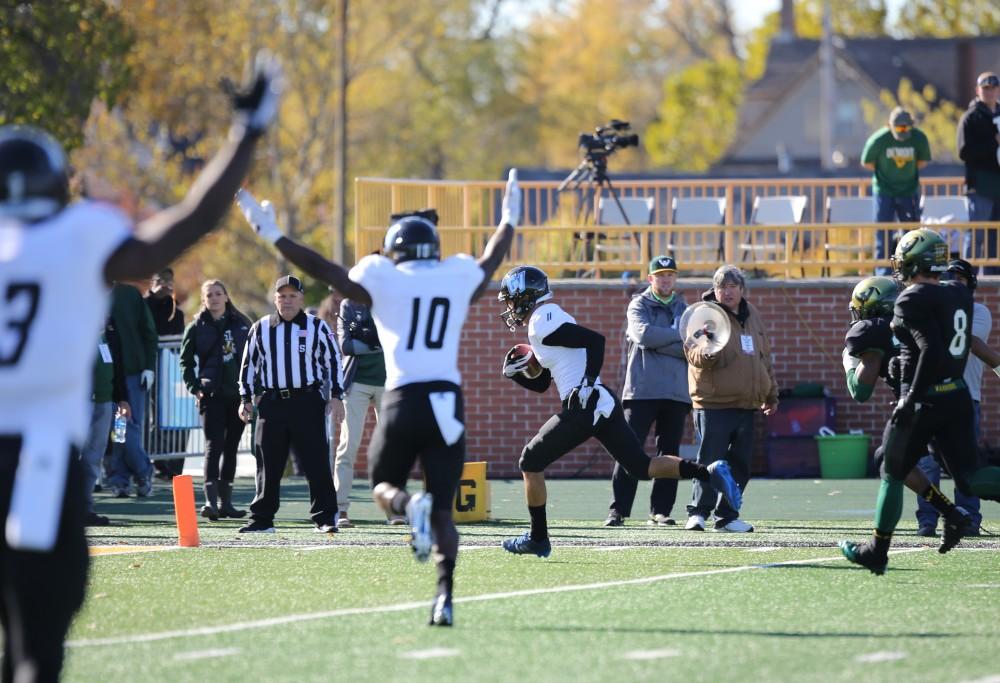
[(957, 525), (865, 555), (441, 612)]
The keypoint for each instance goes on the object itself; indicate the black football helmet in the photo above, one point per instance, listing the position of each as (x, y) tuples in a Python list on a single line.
[(34, 181), (873, 297), (411, 238), (964, 268), (521, 289)]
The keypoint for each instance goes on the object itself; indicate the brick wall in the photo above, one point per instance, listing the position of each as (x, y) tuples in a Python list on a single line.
[(806, 321)]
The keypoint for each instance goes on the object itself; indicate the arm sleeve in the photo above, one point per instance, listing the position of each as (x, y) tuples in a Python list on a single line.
[(643, 333), (188, 360), (119, 391), (574, 336), (330, 359), (859, 391), (868, 153), (251, 361), (538, 384), (147, 333), (923, 148)]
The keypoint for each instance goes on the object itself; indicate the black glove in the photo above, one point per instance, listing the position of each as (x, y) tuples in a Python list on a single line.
[(368, 335), (580, 395), (256, 103), (905, 411)]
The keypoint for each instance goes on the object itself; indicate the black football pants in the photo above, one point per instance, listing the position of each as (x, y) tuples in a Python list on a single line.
[(298, 421), (670, 417), (40, 591)]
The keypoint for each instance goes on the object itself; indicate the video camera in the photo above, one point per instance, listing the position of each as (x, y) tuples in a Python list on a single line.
[(606, 139)]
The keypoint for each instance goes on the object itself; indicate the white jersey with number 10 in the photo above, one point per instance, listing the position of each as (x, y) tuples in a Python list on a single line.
[(419, 308)]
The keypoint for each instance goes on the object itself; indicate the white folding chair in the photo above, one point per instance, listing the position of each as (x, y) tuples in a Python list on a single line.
[(703, 245), (937, 211), (848, 211), (638, 211), (764, 245)]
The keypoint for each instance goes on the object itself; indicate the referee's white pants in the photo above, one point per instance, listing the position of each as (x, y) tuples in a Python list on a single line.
[(359, 397)]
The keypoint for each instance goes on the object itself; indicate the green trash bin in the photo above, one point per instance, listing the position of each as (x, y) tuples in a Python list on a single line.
[(843, 456)]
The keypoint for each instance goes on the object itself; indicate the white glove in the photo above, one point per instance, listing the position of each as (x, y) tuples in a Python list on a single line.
[(256, 105), (146, 380), (583, 392), (259, 216), (515, 365), (511, 208)]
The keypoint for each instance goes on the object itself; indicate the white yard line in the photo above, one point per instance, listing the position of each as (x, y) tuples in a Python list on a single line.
[(405, 606)]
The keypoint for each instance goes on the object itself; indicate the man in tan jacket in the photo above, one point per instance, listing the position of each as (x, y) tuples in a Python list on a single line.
[(727, 388)]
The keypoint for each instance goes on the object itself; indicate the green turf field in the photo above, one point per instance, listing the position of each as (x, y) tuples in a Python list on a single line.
[(619, 605)]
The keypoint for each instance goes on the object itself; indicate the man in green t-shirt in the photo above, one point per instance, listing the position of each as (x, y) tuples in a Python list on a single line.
[(895, 154)]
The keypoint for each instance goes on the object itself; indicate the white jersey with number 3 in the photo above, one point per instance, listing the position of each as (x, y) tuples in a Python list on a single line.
[(419, 308), (53, 302), (567, 365)]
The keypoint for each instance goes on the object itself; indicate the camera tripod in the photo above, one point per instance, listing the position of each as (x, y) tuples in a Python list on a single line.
[(593, 171)]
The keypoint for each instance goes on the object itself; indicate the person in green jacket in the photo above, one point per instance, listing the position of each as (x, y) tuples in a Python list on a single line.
[(211, 352), (109, 398), (895, 154), (137, 333)]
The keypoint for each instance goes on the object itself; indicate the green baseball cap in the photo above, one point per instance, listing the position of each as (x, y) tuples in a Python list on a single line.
[(661, 264)]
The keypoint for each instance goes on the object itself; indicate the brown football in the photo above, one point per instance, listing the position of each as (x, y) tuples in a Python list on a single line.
[(534, 368)]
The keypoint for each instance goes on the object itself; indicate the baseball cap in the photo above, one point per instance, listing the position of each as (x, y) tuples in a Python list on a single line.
[(661, 264), (289, 281), (900, 117), (987, 78)]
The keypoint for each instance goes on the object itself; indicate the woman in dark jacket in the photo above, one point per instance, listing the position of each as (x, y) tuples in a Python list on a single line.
[(211, 351)]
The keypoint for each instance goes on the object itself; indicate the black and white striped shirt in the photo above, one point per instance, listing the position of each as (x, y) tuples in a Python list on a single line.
[(294, 354)]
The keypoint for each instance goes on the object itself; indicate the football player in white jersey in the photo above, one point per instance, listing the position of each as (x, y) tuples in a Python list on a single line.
[(419, 303), (56, 261), (572, 355)]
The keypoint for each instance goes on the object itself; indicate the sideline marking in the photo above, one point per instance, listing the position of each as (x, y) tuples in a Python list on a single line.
[(433, 653), (96, 550), (405, 606), (883, 656), (207, 654), (644, 655)]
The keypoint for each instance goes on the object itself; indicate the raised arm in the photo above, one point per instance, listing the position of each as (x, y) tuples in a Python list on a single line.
[(499, 244), (160, 239), (261, 218)]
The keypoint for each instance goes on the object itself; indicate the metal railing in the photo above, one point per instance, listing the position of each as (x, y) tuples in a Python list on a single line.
[(558, 231)]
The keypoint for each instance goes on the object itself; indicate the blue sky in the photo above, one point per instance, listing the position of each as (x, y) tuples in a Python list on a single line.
[(749, 13)]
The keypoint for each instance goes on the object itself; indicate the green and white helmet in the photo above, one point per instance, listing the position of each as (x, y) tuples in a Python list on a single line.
[(873, 297), (920, 251)]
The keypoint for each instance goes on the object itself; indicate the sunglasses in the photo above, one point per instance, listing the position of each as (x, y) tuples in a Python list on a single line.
[(901, 129)]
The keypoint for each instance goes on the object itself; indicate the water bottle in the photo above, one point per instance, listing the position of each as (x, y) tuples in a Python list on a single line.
[(118, 433)]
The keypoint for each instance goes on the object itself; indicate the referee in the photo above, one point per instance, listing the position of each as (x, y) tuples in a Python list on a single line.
[(289, 357)]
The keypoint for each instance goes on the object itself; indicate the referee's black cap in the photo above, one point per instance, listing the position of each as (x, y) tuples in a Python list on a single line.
[(289, 281)]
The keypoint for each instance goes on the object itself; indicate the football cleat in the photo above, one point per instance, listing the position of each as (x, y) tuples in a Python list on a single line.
[(721, 477), (865, 555), (957, 525), (441, 612), (523, 545), (418, 512)]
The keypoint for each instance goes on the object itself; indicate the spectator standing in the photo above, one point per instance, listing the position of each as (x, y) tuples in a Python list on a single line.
[(364, 384), (134, 324), (211, 352), (109, 398), (168, 320), (727, 389), (895, 154), (982, 323), (289, 357), (978, 141), (655, 388)]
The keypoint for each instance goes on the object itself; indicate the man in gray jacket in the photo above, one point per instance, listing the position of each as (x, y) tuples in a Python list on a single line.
[(656, 388)]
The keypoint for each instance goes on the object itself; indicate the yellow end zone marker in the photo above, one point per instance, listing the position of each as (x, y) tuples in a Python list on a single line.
[(95, 550)]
